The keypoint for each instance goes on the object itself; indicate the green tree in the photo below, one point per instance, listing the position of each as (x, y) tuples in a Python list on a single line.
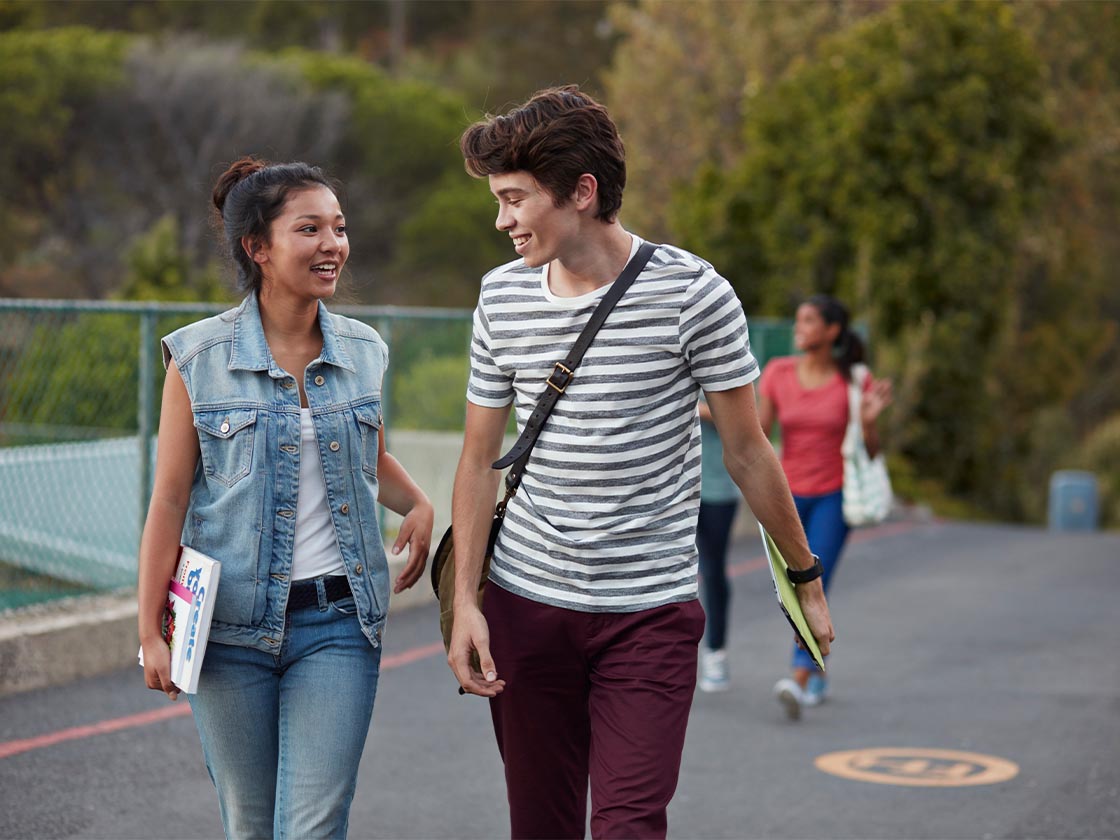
[(682, 82), (1067, 284), (406, 184), (450, 242), (50, 82), (430, 395), (895, 169), (160, 269)]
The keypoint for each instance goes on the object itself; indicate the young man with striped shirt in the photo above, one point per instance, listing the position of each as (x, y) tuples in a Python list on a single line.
[(587, 639)]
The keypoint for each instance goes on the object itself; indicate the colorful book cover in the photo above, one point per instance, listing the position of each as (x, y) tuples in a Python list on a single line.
[(186, 618)]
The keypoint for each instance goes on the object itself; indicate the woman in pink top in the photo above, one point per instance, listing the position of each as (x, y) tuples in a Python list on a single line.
[(808, 396)]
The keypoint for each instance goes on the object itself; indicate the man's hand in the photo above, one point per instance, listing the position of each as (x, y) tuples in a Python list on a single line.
[(471, 635), (811, 597)]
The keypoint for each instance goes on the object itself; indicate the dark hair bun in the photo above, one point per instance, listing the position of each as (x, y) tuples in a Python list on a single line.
[(238, 171)]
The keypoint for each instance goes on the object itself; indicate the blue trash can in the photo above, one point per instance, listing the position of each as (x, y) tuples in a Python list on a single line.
[(1074, 502)]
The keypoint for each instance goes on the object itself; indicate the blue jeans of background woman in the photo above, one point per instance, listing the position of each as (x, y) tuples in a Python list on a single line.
[(283, 734), (713, 534), (822, 517)]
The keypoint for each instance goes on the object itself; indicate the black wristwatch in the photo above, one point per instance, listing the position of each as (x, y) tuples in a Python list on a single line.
[(797, 576)]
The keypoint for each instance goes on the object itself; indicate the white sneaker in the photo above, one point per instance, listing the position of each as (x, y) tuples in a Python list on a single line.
[(789, 694), (714, 672)]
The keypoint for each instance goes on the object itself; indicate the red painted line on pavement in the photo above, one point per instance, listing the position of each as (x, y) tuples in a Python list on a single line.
[(407, 657), (178, 709), (10, 748)]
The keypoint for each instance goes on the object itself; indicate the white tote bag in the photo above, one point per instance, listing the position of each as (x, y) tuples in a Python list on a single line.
[(867, 487)]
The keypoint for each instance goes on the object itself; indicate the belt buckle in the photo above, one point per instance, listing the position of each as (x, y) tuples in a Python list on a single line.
[(565, 376)]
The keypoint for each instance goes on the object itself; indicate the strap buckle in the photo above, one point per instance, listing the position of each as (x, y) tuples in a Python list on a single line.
[(563, 375)]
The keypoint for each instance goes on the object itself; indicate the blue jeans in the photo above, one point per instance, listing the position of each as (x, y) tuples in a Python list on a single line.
[(822, 517), (283, 734), (713, 533)]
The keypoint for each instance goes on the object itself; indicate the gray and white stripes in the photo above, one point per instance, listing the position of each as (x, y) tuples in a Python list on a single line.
[(605, 518)]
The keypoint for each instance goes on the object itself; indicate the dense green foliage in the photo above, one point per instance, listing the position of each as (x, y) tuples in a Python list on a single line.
[(949, 169), (50, 80), (930, 164), (894, 171), (111, 133)]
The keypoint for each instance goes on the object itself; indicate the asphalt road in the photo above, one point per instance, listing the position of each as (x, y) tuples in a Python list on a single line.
[(986, 640)]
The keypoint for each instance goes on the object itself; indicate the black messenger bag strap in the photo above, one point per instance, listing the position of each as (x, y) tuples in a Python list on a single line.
[(518, 455), (562, 373)]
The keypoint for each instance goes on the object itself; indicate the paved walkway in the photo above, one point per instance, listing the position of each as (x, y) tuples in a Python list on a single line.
[(995, 643)]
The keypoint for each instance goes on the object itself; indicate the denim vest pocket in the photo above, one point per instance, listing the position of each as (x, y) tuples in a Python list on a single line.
[(226, 440), (369, 422)]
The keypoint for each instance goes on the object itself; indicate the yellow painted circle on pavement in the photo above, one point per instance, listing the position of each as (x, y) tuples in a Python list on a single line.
[(917, 767)]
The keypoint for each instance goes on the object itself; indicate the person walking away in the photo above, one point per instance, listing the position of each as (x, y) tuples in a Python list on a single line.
[(588, 632), (807, 395), (719, 502), (271, 459)]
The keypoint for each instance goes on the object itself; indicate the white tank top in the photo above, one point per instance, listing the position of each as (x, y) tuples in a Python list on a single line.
[(316, 547)]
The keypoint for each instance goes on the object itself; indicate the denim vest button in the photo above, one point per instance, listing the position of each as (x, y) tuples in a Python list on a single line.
[(224, 427), (345, 508), (334, 446), (358, 568), (319, 380)]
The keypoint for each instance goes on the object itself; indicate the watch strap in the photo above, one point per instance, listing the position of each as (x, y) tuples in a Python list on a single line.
[(797, 576)]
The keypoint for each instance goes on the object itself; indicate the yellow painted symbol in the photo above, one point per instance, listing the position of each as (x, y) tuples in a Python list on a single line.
[(918, 767)]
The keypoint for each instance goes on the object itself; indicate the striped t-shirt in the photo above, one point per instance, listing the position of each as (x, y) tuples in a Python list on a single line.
[(605, 517)]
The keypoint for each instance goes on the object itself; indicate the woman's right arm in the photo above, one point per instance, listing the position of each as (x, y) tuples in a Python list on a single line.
[(177, 456)]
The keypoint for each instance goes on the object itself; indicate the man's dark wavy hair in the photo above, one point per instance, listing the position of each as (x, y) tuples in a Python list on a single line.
[(557, 136)]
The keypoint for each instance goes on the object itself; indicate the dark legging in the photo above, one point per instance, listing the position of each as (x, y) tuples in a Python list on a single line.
[(713, 533)]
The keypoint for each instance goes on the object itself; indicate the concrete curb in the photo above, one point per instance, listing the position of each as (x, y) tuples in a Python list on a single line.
[(55, 642), (59, 641)]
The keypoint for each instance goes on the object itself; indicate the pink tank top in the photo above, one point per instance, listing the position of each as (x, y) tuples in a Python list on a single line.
[(812, 422)]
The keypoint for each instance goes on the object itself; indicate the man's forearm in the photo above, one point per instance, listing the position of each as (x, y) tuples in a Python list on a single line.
[(472, 510), (764, 487)]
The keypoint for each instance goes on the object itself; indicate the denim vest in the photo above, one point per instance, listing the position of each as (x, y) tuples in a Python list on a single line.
[(243, 499)]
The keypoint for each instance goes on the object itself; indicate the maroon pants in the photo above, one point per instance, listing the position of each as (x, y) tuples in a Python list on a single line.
[(599, 696)]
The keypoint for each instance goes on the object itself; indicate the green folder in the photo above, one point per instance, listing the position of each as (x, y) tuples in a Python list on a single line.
[(787, 598)]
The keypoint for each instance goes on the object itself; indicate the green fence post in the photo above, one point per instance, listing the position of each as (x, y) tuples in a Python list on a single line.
[(385, 329), (144, 412)]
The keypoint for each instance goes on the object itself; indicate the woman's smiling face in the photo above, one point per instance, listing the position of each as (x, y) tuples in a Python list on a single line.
[(307, 246)]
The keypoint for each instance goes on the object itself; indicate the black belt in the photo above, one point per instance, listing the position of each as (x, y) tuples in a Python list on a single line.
[(304, 593)]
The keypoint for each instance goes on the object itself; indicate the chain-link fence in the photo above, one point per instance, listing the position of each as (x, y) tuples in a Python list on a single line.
[(80, 388)]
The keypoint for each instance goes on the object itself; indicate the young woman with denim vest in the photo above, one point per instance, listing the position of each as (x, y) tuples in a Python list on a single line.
[(272, 460), (808, 395)]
